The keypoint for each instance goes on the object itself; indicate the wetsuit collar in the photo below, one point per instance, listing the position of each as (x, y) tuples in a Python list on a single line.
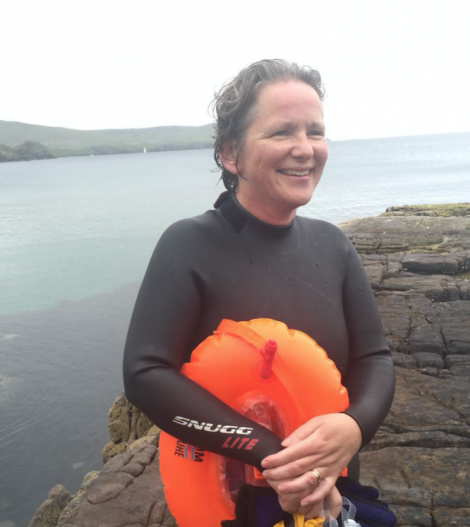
[(238, 217)]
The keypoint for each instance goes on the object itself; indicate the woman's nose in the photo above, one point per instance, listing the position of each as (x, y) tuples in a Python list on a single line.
[(302, 147)]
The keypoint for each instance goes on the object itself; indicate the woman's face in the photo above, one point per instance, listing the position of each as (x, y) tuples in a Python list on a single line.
[(284, 153)]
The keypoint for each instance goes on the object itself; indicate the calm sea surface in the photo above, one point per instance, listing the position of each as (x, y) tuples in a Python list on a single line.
[(75, 238)]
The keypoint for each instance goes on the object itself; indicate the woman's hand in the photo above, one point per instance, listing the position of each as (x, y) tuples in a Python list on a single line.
[(325, 443), (333, 501), (291, 502)]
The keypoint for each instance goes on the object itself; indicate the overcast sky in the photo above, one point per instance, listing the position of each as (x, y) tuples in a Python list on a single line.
[(391, 68)]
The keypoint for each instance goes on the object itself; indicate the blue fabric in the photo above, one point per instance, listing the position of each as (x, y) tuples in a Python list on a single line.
[(370, 511), (349, 486), (376, 511), (256, 507), (268, 511)]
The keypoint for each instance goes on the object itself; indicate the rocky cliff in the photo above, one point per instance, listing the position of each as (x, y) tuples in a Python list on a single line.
[(418, 262), (27, 151)]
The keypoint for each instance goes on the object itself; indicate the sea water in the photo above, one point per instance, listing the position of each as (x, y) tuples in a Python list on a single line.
[(75, 238)]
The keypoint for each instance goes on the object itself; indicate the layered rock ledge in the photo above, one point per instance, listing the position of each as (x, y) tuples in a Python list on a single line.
[(418, 261)]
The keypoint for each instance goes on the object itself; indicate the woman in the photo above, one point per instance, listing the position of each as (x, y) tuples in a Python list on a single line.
[(252, 257)]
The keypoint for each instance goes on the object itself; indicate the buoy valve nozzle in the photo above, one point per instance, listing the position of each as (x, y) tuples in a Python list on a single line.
[(267, 353)]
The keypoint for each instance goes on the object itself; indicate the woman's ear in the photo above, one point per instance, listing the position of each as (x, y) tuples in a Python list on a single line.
[(227, 157)]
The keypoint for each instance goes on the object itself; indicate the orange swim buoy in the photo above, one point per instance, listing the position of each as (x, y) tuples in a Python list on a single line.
[(276, 376)]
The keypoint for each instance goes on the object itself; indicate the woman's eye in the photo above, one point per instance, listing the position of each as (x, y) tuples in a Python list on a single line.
[(315, 132), (280, 132)]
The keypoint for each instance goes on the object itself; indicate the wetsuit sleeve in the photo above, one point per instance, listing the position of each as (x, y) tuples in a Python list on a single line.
[(165, 315), (370, 378)]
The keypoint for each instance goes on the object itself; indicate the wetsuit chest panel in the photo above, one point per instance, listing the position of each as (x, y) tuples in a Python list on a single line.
[(261, 272)]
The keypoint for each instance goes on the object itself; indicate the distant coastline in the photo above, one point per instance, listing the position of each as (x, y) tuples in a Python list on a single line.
[(22, 141), (26, 151)]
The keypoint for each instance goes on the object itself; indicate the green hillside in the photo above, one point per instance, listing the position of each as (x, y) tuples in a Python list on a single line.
[(70, 142), (26, 151)]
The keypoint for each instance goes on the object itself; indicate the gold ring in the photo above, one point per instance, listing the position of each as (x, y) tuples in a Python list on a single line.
[(317, 476)]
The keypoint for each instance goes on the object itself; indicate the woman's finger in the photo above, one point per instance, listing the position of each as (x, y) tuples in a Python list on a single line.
[(300, 433), (329, 497), (319, 493), (309, 449), (299, 450), (291, 503), (291, 469), (308, 480), (313, 511), (288, 502), (335, 502), (309, 494), (330, 506)]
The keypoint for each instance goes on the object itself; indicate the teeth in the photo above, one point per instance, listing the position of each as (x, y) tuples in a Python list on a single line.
[(295, 173)]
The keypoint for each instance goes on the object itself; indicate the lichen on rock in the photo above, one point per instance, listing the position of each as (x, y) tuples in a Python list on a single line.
[(50, 510), (126, 424)]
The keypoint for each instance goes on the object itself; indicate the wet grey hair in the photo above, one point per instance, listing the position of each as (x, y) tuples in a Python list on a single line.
[(234, 106)]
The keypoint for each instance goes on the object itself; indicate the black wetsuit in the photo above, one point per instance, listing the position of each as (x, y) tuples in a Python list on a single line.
[(227, 264)]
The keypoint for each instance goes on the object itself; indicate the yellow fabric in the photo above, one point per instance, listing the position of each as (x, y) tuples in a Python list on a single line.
[(299, 521)]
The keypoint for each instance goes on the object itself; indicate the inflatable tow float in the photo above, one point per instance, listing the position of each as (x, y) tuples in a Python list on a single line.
[(277, 377)]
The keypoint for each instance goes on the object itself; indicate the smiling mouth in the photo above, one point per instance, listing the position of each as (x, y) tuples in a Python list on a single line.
[(298, 173)]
